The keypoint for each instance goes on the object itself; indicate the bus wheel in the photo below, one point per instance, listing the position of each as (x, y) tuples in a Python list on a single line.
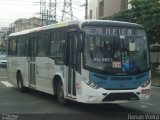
[(20, 83), (60, 94)]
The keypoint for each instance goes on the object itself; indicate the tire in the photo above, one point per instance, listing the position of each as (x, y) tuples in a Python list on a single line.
[(20, 83), (60, 94)]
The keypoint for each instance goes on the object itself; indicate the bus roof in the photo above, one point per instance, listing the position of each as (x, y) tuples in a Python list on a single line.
[(80, 24), (111, 23)]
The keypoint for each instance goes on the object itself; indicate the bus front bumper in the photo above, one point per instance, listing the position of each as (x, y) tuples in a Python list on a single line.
[(91, 95)]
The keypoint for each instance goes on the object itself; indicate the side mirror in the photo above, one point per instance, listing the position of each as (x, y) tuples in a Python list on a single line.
[(81, 41)]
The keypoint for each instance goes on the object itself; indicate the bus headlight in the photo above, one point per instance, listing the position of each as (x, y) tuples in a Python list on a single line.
[(146, 83), (90, 83)]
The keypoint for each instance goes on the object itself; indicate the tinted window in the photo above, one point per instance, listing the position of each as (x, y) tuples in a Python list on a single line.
[(12, 48), (21, 47), (57, 44), (43, 44), (116, 49)]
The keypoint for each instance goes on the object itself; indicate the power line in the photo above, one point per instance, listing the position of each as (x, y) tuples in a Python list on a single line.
[(48, 9)]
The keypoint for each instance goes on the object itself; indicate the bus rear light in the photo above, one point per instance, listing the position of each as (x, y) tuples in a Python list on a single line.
[(146, 91)]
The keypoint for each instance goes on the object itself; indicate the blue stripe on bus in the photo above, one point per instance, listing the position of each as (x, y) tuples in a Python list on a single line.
[(118, 82)]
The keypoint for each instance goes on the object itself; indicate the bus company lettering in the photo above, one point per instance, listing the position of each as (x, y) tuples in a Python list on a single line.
[(111, 31), (102, 59)]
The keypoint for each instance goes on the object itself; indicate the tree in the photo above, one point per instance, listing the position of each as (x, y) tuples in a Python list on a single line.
[(144, 12)]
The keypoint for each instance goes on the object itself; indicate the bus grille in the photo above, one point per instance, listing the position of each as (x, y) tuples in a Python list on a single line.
[(121, 96), (121, 78)]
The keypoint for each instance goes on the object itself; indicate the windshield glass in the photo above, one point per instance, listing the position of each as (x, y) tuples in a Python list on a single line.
[(115, 49)]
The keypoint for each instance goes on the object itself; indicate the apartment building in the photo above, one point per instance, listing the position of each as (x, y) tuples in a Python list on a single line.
[(24, 24), (4, 32), (20, 24), (93, 9), (99, 9)]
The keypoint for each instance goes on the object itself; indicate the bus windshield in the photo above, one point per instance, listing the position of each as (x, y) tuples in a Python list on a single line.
[(116, 49)]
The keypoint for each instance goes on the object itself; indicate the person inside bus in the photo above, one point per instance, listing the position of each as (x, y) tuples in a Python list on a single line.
[(96, 52), (107, 49)]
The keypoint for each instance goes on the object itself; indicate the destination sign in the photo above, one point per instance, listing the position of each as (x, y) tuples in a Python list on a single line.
[(111, 31)]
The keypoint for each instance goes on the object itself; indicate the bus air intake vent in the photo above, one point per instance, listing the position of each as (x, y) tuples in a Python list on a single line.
[(121, 78), (121, 96), (121, 88)]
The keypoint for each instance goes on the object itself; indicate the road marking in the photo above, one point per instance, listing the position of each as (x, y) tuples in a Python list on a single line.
[(3, 77), (7, 84), (142, 106), (147, 103)]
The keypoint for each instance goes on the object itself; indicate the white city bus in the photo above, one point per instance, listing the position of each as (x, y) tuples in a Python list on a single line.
[(92, 61)]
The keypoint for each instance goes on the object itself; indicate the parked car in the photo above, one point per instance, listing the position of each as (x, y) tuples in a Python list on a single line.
[(3, 60)]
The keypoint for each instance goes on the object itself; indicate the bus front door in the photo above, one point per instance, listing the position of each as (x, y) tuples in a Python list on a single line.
[(72, 47), (31, 62)]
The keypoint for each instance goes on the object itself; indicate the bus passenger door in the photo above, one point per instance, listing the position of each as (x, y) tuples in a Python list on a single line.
[(31, 61), (72, 47)]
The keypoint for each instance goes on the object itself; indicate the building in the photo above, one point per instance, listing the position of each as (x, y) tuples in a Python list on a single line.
[(20, 24), (24, 24), (4, 32), (93, 9), (11, 28), (99, 9)]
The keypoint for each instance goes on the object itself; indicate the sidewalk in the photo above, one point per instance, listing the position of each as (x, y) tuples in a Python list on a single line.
[(156, 78)]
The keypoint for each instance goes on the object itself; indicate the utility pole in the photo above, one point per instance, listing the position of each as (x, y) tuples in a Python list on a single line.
[(86, 9), (67, 12)]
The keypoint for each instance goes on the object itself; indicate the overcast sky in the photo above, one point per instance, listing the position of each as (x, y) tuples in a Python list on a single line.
[(11, 10)]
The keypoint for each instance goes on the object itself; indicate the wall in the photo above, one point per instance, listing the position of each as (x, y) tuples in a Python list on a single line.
[(93, 5), (110, 7)]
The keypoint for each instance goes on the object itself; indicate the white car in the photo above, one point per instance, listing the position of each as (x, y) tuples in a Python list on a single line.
[(3, 60)]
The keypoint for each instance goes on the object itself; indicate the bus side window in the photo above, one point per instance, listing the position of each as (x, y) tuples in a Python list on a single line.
[(78, 54), (43, 44), (53, 47), (57, 44), (61, 47), (20, 46), (27, 53), (12, 47)]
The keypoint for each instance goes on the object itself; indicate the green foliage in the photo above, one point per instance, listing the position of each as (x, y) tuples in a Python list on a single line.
[(144, 12)]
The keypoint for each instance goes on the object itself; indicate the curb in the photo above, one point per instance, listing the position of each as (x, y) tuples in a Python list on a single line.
[(156, 85)]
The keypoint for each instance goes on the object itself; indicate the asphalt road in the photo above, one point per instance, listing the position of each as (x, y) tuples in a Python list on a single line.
[(38, 105)]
